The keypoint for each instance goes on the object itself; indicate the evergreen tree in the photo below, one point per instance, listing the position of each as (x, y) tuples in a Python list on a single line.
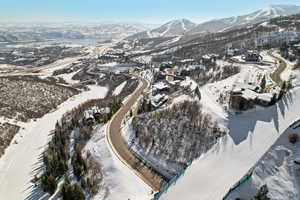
[(65, 189), (72, 192), (49, 183), (262, 194), (78, 193), (79, 164), (263, 83)]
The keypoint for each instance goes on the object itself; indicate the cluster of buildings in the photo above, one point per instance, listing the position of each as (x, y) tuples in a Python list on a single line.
[(113, 56), (94, 113), (169, 79), (246, 96), (252, 56)]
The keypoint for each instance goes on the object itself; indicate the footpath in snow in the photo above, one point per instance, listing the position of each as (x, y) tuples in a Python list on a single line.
[(250, 135), (21, 161)]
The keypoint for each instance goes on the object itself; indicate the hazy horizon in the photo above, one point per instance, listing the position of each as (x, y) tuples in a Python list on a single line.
[(132, 11)]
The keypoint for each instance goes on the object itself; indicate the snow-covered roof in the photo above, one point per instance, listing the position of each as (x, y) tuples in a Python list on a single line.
[(240, 86), (206, 56), (249, 94), (88, 114), (189, 83), (161, 85), (159, 99), (267, 97), (95, 109)]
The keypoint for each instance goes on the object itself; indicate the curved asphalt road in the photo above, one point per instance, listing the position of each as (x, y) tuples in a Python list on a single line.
[(276, 74), (120, 147)]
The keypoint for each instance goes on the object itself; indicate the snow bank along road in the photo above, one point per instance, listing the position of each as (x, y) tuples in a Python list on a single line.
[(250, 135), (22, 161), (120, 147)]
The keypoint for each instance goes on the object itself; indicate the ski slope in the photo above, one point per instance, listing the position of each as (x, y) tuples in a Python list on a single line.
[(23, 160), (276, 169), (250, 135)]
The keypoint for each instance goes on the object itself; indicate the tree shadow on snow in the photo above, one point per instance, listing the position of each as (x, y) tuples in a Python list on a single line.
[(37, 193), (241, 126), (34, 189)]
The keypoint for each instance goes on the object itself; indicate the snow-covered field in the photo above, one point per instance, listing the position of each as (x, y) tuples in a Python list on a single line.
[(23, 157), (119, 182), (59, 64), (251, 135), (68, 77)]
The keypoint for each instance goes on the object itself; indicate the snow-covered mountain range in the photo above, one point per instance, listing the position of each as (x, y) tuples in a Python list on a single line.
[(173, 28), (185, 27), (269, 12)]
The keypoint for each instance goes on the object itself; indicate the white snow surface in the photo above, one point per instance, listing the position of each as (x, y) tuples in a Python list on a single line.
[(20, 161), (250, 135), (119, 182), (277, 170), (68, 77)]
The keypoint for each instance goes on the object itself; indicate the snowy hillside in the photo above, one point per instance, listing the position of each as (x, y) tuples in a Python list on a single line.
[(267, 13), (251, 135), (278, 169), (172, 28)]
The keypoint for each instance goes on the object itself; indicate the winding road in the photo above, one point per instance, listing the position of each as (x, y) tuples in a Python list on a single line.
[(276, 74), (121, 148)]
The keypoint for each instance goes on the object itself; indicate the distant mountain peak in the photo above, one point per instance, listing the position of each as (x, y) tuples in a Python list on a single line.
[(177, 27), (271, 11)]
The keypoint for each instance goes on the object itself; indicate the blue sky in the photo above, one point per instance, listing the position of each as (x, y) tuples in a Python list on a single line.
[(148, 11)]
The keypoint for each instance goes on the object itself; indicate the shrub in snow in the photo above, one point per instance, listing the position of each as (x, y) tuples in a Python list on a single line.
[(262, 194), (293, 138)]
